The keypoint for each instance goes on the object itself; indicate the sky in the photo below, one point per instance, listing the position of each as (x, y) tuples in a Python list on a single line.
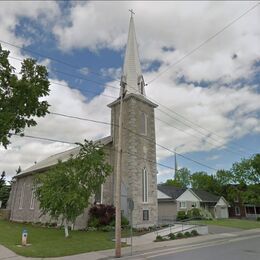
[(209, 100)]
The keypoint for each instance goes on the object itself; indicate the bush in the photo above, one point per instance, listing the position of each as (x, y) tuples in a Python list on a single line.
[(124, 221), (172, 236), (159, 238), (258, 219), (199, 213), (94, 222), (187, 234), (181, 215), (101, 215), (194, 213), (194, 232), (107, 229), (179, 235)]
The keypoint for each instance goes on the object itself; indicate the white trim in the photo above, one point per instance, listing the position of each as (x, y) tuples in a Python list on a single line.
[(237, 213), (101, 195)]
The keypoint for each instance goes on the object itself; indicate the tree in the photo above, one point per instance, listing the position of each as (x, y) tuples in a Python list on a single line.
[(174, 183), (182, 176), (64, 191), (203, 181), (4, 190), (20, 97)]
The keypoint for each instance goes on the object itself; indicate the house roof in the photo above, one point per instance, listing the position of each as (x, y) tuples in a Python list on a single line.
[(206, 196), (170, 191), (63, 156)]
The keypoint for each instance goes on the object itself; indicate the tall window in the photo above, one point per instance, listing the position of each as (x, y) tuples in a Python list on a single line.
[(145, 214), (32, 199), (145, 185), (22, 196), (143, 128)]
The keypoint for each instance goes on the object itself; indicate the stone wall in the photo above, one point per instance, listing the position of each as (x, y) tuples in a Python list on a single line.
[(138, 152)]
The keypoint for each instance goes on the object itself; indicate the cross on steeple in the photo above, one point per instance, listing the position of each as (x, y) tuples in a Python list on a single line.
[(131, 11)]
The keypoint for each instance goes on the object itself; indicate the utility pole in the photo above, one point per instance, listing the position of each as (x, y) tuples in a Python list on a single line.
[(118, 177)]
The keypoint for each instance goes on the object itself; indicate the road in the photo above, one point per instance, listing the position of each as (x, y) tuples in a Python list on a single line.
[(239, 248)]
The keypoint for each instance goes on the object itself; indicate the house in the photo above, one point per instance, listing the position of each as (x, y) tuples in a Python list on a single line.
[(139, 172), (244, 210), (172, 199)]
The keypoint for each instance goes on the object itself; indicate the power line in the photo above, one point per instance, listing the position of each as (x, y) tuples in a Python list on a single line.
[(90, 70), (159, 145), (204, 42), (98, 83), (176, 119), (66, 142)]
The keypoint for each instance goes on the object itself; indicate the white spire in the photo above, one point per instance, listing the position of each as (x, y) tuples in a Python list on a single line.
[(132, 76)]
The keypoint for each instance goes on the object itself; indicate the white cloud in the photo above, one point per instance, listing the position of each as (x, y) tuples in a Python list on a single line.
[(230, 111)]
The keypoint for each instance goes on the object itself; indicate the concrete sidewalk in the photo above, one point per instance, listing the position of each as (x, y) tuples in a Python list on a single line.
[(6, 254)]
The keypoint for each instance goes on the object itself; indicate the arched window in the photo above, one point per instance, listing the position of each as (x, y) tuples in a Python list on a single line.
[(145, 185)]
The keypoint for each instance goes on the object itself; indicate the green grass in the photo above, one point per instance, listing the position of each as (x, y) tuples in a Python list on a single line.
[(50, 242), (234, 223)]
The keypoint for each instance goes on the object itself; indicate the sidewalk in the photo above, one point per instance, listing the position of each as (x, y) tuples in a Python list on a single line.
[(6, 254)]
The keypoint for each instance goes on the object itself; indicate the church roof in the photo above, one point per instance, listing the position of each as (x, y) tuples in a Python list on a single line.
[(132, 74), (63, 156)]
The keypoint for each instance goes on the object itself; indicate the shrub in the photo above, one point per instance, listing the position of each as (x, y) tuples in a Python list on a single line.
[(194, 232), (124, 221), (106, 228), (179, 235), (258, 219), (172, 236), (187, 234), (199, 213), (181, 215), (93, 222), (159, 238), (101, 215)]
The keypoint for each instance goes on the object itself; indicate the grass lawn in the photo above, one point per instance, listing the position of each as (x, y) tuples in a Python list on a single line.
[(234, 223), (49, 242)]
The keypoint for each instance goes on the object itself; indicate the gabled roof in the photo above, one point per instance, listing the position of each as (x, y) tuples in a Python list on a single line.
[(206, 196), (63, 156), (171, 191)]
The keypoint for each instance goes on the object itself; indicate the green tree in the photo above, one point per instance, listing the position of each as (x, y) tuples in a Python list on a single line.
[(174, 183), (182, 176), (4, 190), (20, 97), (64, 191)]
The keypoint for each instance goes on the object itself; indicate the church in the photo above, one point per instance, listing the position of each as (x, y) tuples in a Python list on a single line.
[(139, 172)]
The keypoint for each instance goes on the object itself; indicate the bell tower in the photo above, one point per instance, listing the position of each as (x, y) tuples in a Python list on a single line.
[(139, 171)]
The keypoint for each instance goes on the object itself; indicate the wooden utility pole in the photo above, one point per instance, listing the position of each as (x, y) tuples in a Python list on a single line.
[(118, 177)]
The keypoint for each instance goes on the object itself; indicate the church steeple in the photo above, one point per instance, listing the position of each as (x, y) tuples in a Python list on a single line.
[(132, 78)]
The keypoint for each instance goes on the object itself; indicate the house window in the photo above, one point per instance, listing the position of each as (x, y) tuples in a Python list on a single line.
[(21, 196), (32, 199), (237, 211), (145, 185), (146, 214), (143, 128), (182, 204)]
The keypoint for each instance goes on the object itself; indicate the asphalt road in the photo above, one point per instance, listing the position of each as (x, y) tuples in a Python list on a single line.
[(235, 249)]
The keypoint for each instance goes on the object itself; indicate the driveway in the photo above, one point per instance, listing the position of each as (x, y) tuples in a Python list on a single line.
[(219, 229)]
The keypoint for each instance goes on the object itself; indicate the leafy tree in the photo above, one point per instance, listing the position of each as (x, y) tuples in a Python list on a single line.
[(182, 176), (64, 191), (20, 97), (4, 190), (174, 183)]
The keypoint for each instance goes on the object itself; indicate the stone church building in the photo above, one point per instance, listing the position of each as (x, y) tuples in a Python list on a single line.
[(139, 172)]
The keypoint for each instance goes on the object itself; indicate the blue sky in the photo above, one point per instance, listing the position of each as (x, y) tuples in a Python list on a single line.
[(216, 88)]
